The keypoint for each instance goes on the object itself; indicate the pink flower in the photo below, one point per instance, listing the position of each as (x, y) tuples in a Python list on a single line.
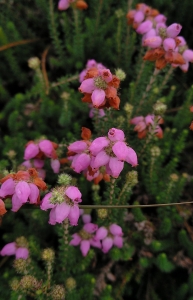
[(14, 249), (64, 204), (143, 125), (22, 188), (109, 237), (86, 238), (64, 4), (144, 27), (173, 30)]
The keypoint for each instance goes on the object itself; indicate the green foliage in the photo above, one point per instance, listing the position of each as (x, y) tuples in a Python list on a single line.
[(43, 102)]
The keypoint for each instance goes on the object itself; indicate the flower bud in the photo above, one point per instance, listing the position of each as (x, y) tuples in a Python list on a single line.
[(128, 108), (102, 213), (11, 154), (58, 292), (119, 13), (95, 187), (174, 177), (20, 265), (29, 282), (132, 178), (155, 151), (120, 74), (159, 108), (64, 179), (48, 255), (14, 284), (70, 283), (21, 242), (65, 96), (34, 63)]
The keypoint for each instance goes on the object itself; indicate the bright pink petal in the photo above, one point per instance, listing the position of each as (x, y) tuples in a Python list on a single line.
[(7, 188), (173, 30), (85, 247), (139, 16), (101, 233), (8, 249), (188, 55), (76, 239), (73, 193), (77, 147), (144, 27), (52, 219), (46, 147), (31, 151), (115, 134), (33, 197), (16, 203), (149, 119), (98, 97), (136, 120), (74, 215), (98, 144), (90, 227), (101, 159), (132, 157), (160, 18), (86, 218), (22, 191), (169, 44), (61, 212), (22, 252), (153, 42), (87, 86), (27, 164), (81, 163), (63, 4), (120, 149), (118, 241), (106, 75), (116, 166), (107, 244), (95, 243), (55, 165), (45, 204), (116, 229)]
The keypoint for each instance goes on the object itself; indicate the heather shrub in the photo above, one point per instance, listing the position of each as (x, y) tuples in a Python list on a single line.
[(95, 164)]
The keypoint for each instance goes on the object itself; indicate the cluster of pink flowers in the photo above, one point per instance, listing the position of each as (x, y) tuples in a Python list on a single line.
[(63, 202), (14, 249), (22, 186), (166, 46), (91, 63), (106, 152), (35, 154), (65, 4), (143, 125), (100, 88), (102, 237)]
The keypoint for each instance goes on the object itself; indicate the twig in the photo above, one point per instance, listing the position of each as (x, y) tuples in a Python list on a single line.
[(14, 44), (44, 72), (65, 81)]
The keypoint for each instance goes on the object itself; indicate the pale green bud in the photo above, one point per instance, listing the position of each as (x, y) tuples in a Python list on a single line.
[(20, 265), (120, 74), (64, 179), (159, 108), (174, 177), (102, 213), (34, 63), (132, 178), (29, 282), (48, 255), (70, 283), (119, 13), (58, 292), (21, 242), (14, 284), (155, 151)]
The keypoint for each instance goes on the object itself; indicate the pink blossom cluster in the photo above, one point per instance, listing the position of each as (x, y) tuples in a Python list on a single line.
[(102, 237), (35, 154), (63, 202), (164, 43), (106, 152), (91, 63), (145, 125), (65, 4), (14, 249), (22, 186), (100, 88)]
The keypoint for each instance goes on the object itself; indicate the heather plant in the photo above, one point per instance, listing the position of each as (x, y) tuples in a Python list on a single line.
[(95, 165)]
